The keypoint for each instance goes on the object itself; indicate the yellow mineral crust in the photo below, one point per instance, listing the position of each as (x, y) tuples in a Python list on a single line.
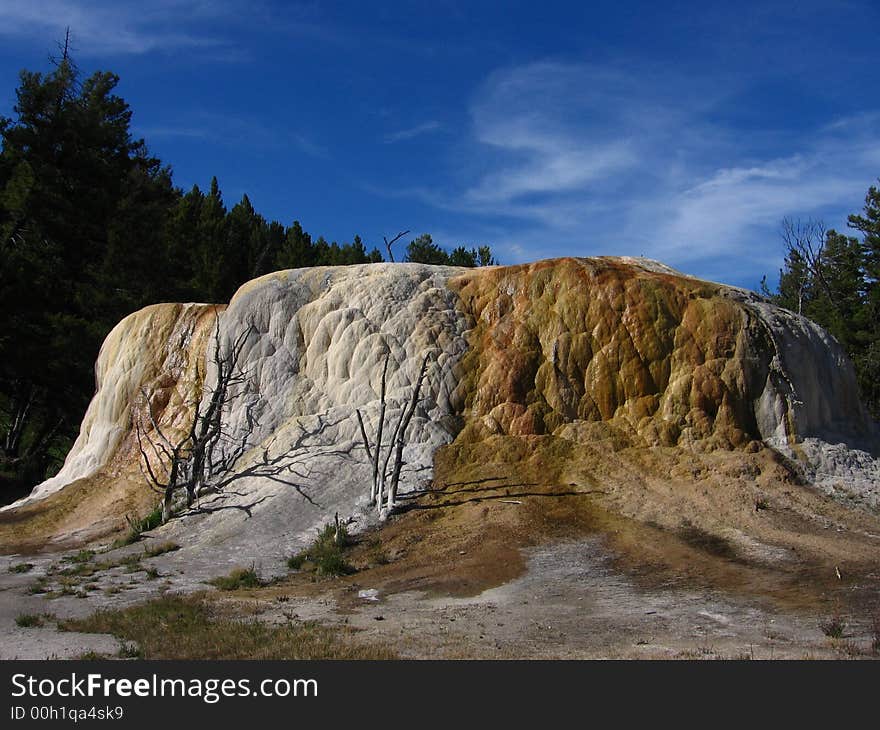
[(588, 347)]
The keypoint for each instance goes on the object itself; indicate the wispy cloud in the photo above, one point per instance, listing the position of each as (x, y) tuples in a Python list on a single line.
[(241, 132), (731, 215), (305, 144), (117, 28), (165, 132), (412, 132), (587, 160)]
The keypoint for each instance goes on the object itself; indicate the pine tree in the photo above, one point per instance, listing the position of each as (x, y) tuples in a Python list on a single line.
[(73, 182), (423, 250), (296, 251), (462, 257), (867, 360), (868, 225), (830, 282), (211, 255)]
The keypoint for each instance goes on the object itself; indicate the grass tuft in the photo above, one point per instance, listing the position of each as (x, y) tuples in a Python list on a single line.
[(136, 527), (160, 549), (28, 620), (326, 556), (238, 578), (833, 627), (21, 568), (83, 556)]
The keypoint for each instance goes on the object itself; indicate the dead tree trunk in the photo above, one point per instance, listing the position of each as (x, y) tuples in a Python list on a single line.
[(171, 466), (400, 435), (379, 480), (389, 244), (381, 459), (808, 240)]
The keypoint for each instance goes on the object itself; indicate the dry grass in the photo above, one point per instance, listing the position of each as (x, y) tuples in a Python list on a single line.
[(833, 627), (238, 578), (139, 525), (160, 549), (28, 620), (175, 627)]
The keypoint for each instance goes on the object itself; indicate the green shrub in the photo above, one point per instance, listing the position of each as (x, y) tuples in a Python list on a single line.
[(21, 568), (136, 527), (833, 627), (326, 556), (161, 549), (27, 620), (83, 556), (238, 578), (38, 586)]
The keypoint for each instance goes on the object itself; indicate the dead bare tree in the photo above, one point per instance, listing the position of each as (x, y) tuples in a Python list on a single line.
[(206, 459), (15, 449), (806, 240), (390, 243), (185, 463), (297, 461), (380, 454)]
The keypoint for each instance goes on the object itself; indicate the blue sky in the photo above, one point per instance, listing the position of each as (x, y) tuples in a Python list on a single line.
[(682, 131)]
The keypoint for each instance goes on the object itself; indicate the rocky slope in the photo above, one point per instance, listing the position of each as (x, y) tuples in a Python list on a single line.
[(614, 371)]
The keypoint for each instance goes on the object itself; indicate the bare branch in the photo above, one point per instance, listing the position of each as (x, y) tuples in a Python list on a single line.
[(401, 432), (807, 240), (395, 447), (364, 434), (390, 243), (378, 480)]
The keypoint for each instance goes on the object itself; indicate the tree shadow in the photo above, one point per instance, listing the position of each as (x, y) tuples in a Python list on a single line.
[(493, 497), (209, 508), (474, 481), (291, 468), (444, 489)]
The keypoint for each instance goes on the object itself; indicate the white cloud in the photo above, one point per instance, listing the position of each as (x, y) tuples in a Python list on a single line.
[(227, 130), (583, 160), (412, 132), (736, 212), (114, 28)]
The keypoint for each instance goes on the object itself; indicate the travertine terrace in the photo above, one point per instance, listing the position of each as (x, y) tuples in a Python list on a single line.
[(606, 370)]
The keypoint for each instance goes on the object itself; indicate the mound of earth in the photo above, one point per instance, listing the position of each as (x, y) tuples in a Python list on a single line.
[(685, 408)]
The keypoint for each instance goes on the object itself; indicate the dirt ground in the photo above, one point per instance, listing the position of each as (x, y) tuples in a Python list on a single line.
[(473, 572), (718, 556)]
